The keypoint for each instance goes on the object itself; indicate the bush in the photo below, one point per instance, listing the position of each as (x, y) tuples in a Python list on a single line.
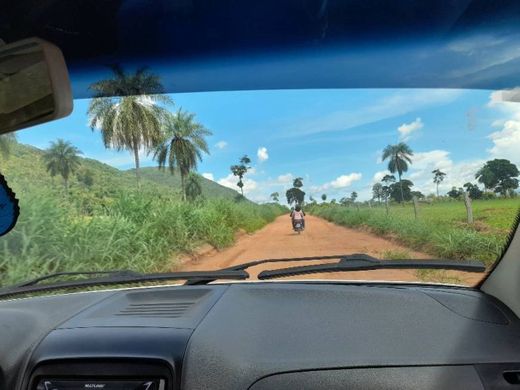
[(440, 229), (131, 231)]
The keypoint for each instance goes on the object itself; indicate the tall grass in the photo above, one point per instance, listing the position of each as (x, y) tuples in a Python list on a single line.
[(440, 229), (131, 231)]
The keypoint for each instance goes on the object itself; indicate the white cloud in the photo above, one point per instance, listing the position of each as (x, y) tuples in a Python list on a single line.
[(262, 154), (209, 176), (400, 103), (378, 176), (406, 129), (285, 179), (506, 142), (420, 172), (345, 180), (231, 181), (221, 144), (342, 181)]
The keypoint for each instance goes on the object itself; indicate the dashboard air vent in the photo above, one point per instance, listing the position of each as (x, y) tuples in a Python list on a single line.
[(163, 309)]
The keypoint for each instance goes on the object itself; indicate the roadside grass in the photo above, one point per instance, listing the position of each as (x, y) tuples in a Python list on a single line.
[(440, 229), (396, 254), (133, 231)]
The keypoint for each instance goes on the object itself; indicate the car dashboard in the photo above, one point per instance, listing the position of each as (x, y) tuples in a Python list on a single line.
[(277, 335)]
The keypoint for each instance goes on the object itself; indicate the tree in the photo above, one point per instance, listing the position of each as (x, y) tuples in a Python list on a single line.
[(353, 196), (193, 187), (455, 192), (126, 110), (240, 170), (345, 201), (473, 190), (275, 196), (388, 179), (324, 197), (378, 192), (401, 191), (182, 145), (399, 157), (438, 177), (499, 175), (61, 158), (417, 194), (296, 195), (85, 176), (298, 182), (6, 142)]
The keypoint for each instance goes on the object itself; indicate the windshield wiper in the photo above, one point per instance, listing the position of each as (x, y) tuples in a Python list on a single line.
[(116, 277), (354, 262), (362, 262)]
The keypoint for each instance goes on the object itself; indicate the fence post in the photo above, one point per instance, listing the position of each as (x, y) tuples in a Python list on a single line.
[(415, 206), (469, 208)]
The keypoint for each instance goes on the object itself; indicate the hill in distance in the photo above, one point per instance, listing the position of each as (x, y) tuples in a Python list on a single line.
[(24, 170)]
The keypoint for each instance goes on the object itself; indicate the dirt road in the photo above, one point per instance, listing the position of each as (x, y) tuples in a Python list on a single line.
[(277, 240)]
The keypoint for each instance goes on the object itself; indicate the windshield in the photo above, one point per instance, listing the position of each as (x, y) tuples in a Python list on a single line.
[(203, 181)]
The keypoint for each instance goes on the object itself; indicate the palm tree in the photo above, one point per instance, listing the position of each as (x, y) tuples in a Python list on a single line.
[(438, 177), (324, 197), (193, 187), (126, 110), (240, 170), (61, 158), (6, 141), (275, 196), (399, 157), (182, 145)]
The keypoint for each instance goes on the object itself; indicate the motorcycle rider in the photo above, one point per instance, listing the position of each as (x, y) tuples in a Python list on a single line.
[(298, 215)]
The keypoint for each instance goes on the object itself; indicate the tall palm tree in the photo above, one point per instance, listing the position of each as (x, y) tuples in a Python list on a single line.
[(61, 158), (182, 145), (6, 141), (399, 157), (240, 170), (126, 108), (438, 177)]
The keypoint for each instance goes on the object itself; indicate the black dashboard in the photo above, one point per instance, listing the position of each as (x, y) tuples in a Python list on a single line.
[(281, 335)]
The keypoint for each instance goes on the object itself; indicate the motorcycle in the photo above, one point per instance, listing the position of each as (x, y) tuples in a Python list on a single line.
[(298, 226)]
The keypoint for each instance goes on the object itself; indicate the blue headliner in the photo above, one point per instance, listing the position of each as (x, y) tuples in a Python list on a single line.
[(202, 45)]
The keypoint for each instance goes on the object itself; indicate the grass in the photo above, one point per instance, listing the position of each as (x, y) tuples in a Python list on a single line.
[(440, 229), (135, 232)]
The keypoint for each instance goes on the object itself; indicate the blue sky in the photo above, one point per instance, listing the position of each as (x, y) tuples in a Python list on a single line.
[(331, 138)]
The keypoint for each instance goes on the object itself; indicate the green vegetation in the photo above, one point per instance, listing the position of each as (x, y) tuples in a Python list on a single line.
[(182, 145), (240, 170), (107, 224), (441, 228), (126, 110), (399, 156), (295, 194), (61, 158)]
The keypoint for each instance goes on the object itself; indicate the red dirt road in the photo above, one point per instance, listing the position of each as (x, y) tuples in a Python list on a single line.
[(277, 240)]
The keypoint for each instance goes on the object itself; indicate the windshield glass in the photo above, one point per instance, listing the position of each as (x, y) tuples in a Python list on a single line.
[(203, 181)]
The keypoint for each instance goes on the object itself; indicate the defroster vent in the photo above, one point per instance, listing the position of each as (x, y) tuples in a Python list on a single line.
[(163, 309)]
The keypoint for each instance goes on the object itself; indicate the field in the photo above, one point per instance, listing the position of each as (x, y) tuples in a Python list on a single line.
[(111, 224), (441, 228)]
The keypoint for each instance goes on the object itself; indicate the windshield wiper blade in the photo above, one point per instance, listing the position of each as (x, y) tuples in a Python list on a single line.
[(362, 262), (117, 277)]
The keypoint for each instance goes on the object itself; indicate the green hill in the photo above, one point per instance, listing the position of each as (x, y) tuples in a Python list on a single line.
[(25, 170), (210, 189)]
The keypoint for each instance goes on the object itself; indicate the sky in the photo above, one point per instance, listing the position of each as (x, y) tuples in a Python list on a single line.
[(333, 138)]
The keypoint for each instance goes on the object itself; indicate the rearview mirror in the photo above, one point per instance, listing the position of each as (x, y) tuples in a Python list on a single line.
[(34, 84)]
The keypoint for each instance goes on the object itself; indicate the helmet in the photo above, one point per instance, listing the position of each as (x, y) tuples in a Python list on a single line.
[(298, 208)]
